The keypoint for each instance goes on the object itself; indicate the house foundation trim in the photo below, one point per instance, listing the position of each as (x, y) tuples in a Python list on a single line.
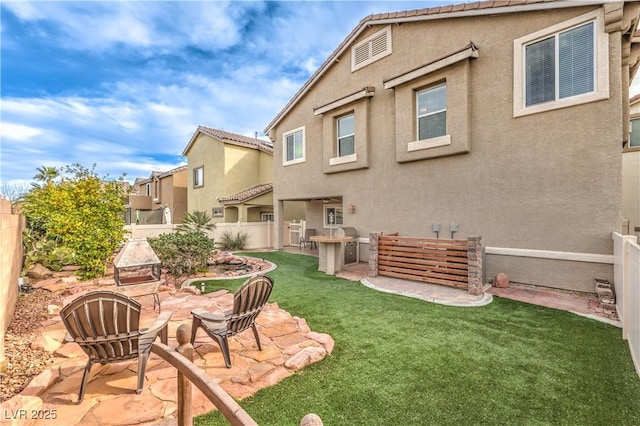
[(549, 254)]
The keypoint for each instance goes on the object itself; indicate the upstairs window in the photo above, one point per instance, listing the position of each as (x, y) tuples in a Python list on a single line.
[(294, 146), (432, 112), (198, 177), (560, 66), (346, 135)]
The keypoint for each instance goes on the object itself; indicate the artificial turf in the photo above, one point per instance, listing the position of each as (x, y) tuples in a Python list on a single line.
[(403, 361)]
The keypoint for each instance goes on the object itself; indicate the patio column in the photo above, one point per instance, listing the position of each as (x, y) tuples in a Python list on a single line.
[(373, 254), (474, 256), (278, 217)]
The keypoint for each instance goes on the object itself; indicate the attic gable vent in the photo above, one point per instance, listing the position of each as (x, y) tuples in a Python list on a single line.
[(371, 49)]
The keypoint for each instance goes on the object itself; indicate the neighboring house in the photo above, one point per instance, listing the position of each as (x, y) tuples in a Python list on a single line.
[(503, 120), (631, 172), (230, 176), (159, 192)]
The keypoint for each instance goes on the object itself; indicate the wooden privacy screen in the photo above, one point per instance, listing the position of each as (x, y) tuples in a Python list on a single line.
[(434, 261)]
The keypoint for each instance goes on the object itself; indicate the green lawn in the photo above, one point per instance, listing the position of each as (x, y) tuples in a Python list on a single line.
[(402, 361)]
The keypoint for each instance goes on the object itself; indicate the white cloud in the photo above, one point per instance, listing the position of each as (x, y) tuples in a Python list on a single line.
[(98, 26), (18, 132)]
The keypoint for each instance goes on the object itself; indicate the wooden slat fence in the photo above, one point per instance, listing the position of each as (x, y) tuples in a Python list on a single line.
[(434, 261)]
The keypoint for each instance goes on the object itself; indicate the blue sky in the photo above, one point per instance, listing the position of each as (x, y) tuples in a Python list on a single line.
[(124, 85)]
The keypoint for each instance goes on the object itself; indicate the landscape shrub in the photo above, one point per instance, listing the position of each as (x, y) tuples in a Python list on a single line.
[(233, 241), (74, 210), (46, 252), (183, 253)]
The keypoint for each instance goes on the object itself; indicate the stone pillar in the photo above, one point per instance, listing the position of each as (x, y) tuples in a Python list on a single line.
[(373, 254), (474, 255)]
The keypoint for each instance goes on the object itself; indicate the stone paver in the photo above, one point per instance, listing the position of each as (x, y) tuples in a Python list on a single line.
[(110, 399)]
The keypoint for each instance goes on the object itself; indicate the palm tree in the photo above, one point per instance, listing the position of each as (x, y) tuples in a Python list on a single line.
[(196, 221), (46, 174)]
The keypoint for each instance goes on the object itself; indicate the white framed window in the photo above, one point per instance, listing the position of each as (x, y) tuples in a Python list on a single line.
[(293, 146), (217, 212), (266, 217), (372, 48), (564, 65), (634, 137), (332, 216), (346, 136), (198, 177), (431, 112), (147, 189)]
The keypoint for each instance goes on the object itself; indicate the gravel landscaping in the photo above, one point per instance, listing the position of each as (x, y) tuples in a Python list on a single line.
[(24, 362)]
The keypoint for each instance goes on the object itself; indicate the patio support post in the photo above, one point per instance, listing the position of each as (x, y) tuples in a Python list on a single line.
[(474, 256), (373, 254), (185, 417)]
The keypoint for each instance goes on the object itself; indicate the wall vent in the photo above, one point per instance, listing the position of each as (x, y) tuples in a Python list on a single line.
[(369, 50)]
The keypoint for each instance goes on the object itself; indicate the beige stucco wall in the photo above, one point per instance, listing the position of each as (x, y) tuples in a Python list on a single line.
[(546, 181), (228, 169), (173, 194), (11, 227), (208, 152), (179, 196)]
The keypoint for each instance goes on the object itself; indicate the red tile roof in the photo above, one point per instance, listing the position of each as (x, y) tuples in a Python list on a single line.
[(232, 138), (247, 194)]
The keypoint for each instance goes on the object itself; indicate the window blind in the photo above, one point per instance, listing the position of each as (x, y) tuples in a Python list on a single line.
[(576, 61)]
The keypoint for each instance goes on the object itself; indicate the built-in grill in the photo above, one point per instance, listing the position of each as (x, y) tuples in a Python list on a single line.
[(350, 247)]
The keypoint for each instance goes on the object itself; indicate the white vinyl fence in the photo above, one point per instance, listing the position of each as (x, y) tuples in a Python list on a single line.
[(627, 286), (260, 233)]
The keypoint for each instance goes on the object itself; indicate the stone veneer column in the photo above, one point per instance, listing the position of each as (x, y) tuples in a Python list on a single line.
[(373, 254), (474, 254)]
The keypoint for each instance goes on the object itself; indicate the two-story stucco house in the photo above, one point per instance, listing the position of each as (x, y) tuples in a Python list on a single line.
[(504, 120), (160, 198), (230, 176)]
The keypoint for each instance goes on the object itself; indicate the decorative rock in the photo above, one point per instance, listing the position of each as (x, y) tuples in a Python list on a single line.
[(46, 344), (43, 381), (45, 283), (324, 339), (305, 357), (39, 272), (501, 280), (190, 289), (70, 268), (52, 309), (311, 419)]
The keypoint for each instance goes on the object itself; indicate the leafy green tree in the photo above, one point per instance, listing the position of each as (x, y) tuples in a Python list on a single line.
[(196, 221), (79, 211)]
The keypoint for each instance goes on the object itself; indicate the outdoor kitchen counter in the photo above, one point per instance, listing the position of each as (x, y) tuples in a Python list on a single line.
[(330, 252)]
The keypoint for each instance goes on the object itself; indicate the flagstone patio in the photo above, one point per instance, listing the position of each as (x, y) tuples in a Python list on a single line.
[(288, 346)]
